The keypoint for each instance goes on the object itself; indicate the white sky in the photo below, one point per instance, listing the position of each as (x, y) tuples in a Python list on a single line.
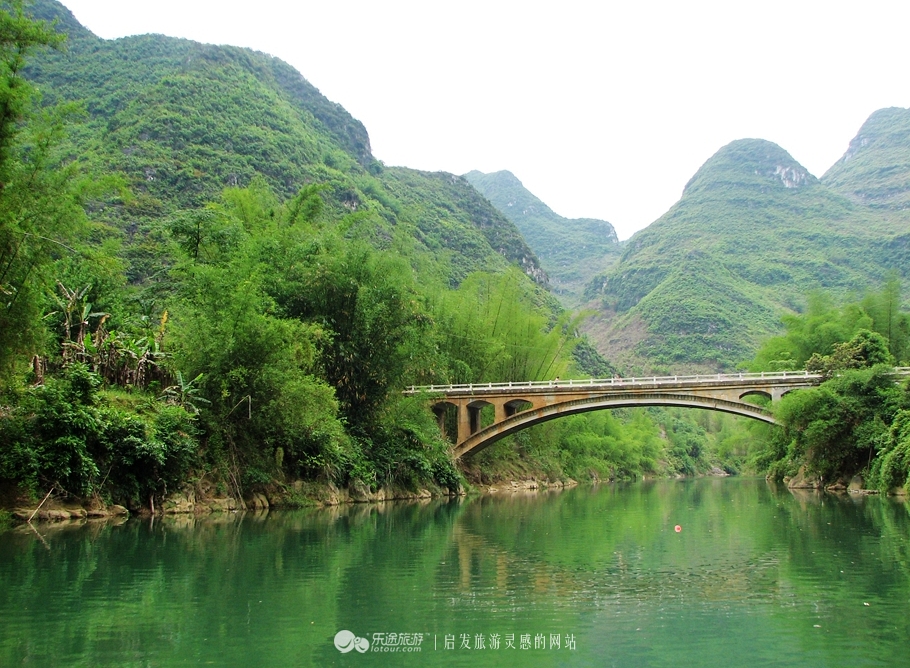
[(603, 109)]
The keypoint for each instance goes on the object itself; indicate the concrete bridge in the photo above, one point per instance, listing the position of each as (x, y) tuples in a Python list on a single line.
[(516, 406)]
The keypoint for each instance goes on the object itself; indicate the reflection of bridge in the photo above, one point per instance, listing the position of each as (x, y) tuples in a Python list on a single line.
[(516, 406)]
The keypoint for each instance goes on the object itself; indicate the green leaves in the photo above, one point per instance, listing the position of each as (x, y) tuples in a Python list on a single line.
[(253, 366), (891, 468), (838, 428), (841, 427), (184, 394), (40, 213), (825, 329), (68, 434), (494, 328), (865, 349), (19, 37)]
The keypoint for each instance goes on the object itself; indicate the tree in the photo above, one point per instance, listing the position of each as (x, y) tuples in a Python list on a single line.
[(493, 328), (38, 208), (888, 319), (865, 349), (369, 307), (19, 36), (837, 428)]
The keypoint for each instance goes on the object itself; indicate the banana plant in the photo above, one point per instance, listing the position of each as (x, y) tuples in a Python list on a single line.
[(76, 314), (185, 394)]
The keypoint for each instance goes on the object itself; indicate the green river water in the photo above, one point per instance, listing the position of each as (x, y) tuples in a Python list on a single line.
[(757, 576)]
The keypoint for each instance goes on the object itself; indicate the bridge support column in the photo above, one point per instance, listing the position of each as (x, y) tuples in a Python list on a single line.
[(474, 418), (440, 412), (464, 422)]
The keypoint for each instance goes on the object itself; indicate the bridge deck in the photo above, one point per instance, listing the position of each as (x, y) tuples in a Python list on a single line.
[(622, 384)]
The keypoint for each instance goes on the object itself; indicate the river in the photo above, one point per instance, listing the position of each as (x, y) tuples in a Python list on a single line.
[(756, 576)]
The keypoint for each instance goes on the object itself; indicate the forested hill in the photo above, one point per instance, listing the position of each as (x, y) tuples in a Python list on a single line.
[(572, 251), (875, 170), (752, 234), (53, 12), (182, 120)]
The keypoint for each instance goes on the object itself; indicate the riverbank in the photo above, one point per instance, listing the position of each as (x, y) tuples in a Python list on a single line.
[(854, 485), (205, 499)]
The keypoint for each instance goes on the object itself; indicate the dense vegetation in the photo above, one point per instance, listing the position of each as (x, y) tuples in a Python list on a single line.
[(856, 421), (175, 330)]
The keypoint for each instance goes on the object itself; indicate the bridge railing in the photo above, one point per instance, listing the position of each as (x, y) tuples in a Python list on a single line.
[(618, 381), (584, 383)]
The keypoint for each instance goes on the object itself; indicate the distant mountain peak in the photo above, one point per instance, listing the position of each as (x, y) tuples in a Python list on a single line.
[(503, 175), (882, 125), (875, 169), (570, 250), (756, 162), (51, 10)]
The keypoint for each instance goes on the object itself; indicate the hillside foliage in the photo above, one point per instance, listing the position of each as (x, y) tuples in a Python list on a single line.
[(875, 169), (753, 233)]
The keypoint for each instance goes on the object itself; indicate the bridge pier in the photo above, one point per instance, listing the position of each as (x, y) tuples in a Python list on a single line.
[(469, 417), (439, 410), (468, 414)]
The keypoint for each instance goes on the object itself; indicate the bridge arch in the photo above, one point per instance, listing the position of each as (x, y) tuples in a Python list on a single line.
[(516, 405), (757, 393), (486, 436), (440, 407)]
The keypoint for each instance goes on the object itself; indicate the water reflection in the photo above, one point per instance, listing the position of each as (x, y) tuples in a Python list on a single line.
[(785, 575)]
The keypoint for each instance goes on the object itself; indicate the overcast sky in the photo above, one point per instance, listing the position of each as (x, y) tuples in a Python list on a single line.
[(602, 109)]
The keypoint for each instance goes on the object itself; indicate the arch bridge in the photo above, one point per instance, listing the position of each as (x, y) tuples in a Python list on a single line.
[(517, 406)]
